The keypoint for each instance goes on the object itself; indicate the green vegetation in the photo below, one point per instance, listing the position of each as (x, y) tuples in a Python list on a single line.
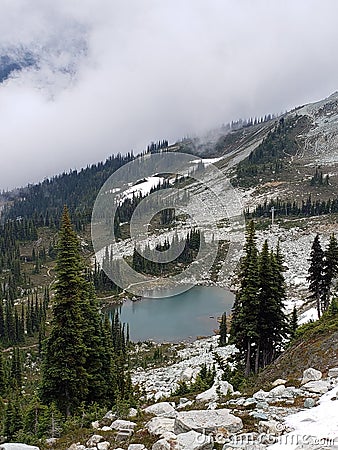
[(258, 325)]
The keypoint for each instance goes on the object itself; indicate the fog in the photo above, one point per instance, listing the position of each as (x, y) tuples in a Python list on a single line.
[(114, 75)]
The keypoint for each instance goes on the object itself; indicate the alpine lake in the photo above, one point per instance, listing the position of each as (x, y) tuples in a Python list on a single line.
[(175, 318)]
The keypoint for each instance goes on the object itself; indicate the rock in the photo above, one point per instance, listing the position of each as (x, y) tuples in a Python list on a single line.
[(212, 405), (189, 374), (250, 401), (278, 382), (123, 435), (137, 447), (185, 405), (213, 394), (103, 445), (17, 446), (259, 415), (96, 425), (163, 444), (77, 446), (106, 428), (95, 439), (262, 405), (333, 373), (51, 441), (207, 421), (260, 395), (157, 426), (122, 425), (277, 391), (132, 412), (168, 435), (185, 441), (317, 387), (311, 375), (309, 402), (163, 409), (271, 427), (194, 441)]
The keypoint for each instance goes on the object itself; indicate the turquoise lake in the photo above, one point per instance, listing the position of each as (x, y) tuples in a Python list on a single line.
[(178, 317)]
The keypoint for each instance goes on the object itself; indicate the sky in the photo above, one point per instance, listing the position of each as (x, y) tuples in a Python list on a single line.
[(113, 75)]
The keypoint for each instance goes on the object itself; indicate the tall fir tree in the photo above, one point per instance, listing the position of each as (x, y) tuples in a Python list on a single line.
[(259, 325), (315, 272), (64, 376), (330, 269), (293, 322), (77, 369), (244, 323), (222, 342)]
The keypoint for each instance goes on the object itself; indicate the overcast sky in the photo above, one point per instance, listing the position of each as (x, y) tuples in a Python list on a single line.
[(114, 75)]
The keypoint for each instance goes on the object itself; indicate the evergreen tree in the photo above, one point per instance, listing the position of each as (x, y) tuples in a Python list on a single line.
[(77, 369), (293, 323), (315, 276), (64, 375), (258, 326), (3, 384), (329, 270), (244, 324), (223, 331)]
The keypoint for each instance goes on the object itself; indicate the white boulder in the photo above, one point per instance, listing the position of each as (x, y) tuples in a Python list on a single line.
[(163, 409), (103, 445), (207, 421), (120, 424), (95, 439), (333, 373), (278, 382), (17, 446), (317, 387), (311, 374), (157, 426)]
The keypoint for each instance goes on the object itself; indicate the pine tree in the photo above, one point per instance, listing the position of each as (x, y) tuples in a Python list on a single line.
[(244, 323), (293, 323), (223, 331), (77, 367), (3, 384), (330, 270), (64, 376), (315, 276)]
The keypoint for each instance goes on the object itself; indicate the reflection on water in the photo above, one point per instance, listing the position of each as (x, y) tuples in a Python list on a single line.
[(178, 317)]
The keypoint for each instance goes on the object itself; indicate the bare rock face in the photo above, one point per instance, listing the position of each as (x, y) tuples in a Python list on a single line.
[(311, 375), (207, 421)]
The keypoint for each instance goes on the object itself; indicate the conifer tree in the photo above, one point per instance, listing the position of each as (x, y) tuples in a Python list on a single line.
[(315, 276), (244, 322), (77, 368), (64, 376), (223, 331), (330, 270), (293, 323), (2, 376)]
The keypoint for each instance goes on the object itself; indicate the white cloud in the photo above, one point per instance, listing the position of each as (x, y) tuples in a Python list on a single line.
[(142, 71)]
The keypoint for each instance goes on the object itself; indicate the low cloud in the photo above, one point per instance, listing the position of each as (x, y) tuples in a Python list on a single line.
[(113, 75)]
